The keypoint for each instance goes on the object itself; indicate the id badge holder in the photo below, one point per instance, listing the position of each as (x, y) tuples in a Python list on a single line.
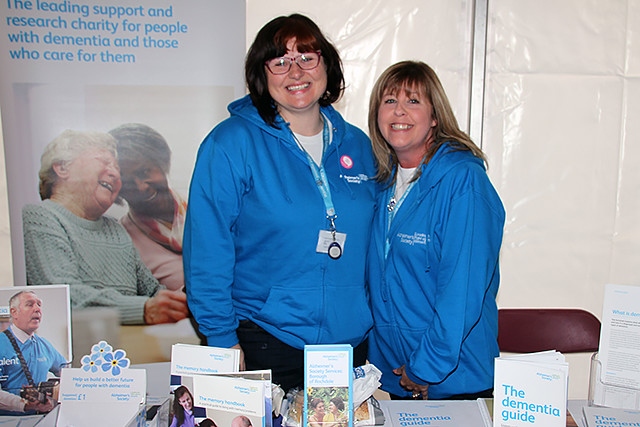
[(331, 243)]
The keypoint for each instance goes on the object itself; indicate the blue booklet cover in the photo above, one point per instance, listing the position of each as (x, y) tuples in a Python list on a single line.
[(328, 381)]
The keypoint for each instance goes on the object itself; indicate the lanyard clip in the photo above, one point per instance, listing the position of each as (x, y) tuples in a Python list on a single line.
[(332, 219)]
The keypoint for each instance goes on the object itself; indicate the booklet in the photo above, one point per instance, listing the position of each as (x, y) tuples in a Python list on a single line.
[(229, 397), (208, 379), (442, 413), (530, 389), (328, 380), (191, 359), (595, 416), (615, 378), (222, 398)]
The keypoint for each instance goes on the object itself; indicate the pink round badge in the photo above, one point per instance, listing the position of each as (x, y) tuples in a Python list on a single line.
[(346, 162)]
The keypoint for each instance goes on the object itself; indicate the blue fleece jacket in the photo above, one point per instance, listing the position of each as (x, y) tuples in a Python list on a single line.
[(252, 228), (433, 297)]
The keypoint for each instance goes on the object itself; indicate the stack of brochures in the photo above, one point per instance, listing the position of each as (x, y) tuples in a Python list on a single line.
[(220, 393)]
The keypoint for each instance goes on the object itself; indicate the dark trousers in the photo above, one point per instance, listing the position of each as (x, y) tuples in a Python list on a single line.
[(263, 351), (486, 394)]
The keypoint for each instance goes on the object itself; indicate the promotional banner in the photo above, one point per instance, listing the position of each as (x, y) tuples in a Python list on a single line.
[(149, 78), (168, 68)]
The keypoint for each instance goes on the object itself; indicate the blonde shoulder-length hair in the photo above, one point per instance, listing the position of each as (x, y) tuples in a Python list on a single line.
[(415, 76)]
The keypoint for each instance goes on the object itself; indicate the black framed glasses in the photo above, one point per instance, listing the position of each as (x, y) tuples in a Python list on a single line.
[(306, 61)]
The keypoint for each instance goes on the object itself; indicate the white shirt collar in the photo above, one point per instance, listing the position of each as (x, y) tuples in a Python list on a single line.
[(20, 334)]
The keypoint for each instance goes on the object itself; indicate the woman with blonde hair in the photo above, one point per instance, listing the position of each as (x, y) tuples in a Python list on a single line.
[(433, 259)]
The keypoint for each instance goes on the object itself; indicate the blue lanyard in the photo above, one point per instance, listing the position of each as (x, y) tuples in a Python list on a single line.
[(391, 213), (320, 176)]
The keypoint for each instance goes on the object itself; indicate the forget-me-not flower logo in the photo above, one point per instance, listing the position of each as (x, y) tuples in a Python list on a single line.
[(102, 347), (91, 362), (103, 356), (115, 362)]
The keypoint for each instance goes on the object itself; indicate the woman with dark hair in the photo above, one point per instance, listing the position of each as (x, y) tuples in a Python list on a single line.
[(155, 220), (183, 408), (336, 416), (433, 260), (277, 190)]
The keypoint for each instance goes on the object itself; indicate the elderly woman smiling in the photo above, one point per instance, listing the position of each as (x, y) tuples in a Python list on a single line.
[(68, 239)]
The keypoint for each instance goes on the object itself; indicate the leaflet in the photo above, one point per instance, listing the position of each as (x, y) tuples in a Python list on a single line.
[(329, 379)]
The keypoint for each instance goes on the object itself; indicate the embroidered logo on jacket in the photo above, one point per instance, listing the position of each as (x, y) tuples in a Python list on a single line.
[(413, 239), (355, 179)]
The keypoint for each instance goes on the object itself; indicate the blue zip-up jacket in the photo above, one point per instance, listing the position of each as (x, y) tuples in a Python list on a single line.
[(252, 228), (433, 297)]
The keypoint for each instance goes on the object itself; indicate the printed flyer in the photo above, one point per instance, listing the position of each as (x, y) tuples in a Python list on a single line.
[(328, 384)]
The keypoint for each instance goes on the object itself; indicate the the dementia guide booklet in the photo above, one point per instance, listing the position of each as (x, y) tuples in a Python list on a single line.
[(595, 416), (530, 390), (445, 413)]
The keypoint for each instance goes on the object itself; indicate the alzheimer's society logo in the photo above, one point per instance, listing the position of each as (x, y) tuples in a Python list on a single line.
[(413, 239)]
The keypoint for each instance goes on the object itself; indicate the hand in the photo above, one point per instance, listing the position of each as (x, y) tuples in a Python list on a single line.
[(419, 391), (242, 365), (36, 405), (166, 307)]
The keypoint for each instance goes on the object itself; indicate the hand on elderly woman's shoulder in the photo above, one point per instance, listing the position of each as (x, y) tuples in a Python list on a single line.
[(166, 307)]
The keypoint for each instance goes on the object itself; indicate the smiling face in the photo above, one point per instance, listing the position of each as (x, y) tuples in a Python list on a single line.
[(28, 314), (332, 407), (297, 91), (89, 184), (145, 187), (186, 402), (406, 121)]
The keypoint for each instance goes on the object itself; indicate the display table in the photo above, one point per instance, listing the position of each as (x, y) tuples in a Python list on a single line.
[(158, 379)]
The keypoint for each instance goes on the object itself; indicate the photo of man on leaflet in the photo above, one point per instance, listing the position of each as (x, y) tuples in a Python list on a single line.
[(29, 363)]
